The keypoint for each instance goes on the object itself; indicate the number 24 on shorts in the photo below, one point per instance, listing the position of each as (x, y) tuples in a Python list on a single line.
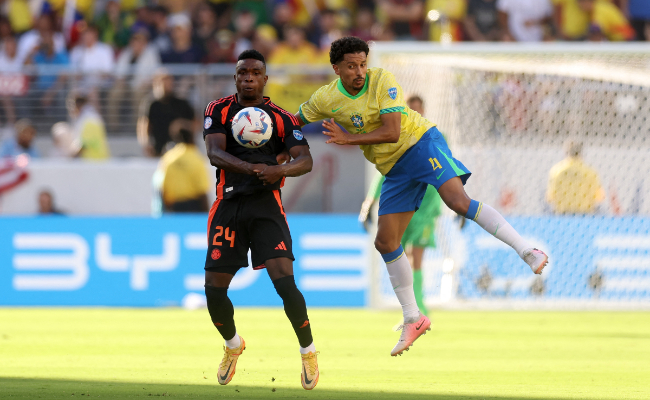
[(229, 236)]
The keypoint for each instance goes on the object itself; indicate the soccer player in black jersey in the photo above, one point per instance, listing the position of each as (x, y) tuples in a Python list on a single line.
[(248, 212)]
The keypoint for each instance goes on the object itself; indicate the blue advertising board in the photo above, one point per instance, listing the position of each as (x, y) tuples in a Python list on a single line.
[(61, 261), (590, 258)]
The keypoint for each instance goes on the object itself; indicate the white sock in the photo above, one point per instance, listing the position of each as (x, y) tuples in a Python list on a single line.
[(494, 223), (234, 342), (401, 278), (309, 349)]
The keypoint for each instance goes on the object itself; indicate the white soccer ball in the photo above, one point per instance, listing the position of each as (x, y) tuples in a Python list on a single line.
[(252, 127)]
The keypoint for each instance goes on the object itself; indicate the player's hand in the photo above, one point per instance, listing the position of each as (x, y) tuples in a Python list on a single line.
[(270, 174), (336, 134), (283, 157), (255, 169)]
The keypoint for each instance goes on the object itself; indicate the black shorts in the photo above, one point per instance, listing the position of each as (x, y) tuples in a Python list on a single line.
[(256, 222)]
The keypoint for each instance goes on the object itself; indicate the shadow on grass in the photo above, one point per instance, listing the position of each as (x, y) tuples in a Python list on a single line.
[(24, 388)]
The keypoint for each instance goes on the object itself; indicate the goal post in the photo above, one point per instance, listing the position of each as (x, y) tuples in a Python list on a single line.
[(507, 112)]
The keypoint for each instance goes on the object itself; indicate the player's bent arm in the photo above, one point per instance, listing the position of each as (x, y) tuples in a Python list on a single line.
[(215, 146), (301, 164), (387, 133)]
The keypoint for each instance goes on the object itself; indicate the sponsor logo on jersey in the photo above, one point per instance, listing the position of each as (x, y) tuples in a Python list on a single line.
[(297, 134), (207, 122), (357, 120), (392, 92), (229, 189)]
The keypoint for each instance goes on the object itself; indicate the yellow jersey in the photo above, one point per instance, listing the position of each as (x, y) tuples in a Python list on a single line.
[(185, 174), (573, 187), (381, 94)]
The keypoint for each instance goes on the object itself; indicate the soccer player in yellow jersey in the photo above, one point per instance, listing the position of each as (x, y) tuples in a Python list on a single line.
[(411, 153)]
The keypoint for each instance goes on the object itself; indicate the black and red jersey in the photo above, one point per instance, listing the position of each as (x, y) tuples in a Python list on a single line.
[(286, 134)]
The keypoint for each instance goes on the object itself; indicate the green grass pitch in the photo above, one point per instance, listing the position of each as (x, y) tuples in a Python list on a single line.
[(53, 353)]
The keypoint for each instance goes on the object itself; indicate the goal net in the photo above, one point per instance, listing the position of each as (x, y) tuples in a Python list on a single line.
[(510, 112)]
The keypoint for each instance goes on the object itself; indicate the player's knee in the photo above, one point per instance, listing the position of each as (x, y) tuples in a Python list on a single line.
[(216, 295), (458, 204), (286, 286), (384, 245)]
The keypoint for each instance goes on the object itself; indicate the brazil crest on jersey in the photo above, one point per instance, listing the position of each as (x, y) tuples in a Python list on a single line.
[(381, 94)]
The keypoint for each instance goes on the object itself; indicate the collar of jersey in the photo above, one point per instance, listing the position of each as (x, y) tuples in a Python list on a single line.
[(339, 84)]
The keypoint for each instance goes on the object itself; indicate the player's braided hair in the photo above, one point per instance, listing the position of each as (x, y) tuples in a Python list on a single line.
[(252, 53), (347, 45)]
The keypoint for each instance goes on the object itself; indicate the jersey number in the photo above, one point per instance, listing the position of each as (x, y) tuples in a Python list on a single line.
[(229, 236), (434, 162)]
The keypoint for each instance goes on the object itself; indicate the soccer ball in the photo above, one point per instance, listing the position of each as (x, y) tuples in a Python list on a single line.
[(252, 127)]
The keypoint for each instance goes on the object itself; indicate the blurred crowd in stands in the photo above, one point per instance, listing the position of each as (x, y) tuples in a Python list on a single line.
[(112, 50)]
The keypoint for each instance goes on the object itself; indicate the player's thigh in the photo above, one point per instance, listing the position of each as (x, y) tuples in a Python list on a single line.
[(218, 279), (279, 267), (435, 164), (400, 193), (454, 196), (268, 228), (390, 229), (228, 242)]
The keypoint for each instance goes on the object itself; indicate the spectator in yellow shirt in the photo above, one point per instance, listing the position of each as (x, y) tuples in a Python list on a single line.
[(295, 49), (88, 130), (573, 186), (181, 177), (591, 19)]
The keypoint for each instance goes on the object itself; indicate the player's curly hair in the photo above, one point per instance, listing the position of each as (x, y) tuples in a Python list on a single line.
[(347, 45), (252, 53)]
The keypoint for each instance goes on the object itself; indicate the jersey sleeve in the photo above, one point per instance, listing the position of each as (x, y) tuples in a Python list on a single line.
[(389, 94), (293, 135), (309, 111), (212, 119)]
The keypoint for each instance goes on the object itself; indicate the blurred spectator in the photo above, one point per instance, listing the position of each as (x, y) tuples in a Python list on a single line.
[(606, 21), (160, 29), (88, 131), (591, 19), (5, 29), (206, 25), (573, 186), (221, 48), (46, 203), (405, 18), (183, 50), (295, 49), (638, 11), (114, 25), (244, 30), (448, 27), (19, 15), (326, 30), (282, 16), (482, 21), (364, 22), (265, 40), (92, 59), (30, 40), (22, 142), (181, 177), (51, 78), (63, 140), (134, 69), (153, 126), (9, 60), (524, 20), (10, 67)]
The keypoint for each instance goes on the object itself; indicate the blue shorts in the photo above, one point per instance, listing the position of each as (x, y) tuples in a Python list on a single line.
[(429, 162)]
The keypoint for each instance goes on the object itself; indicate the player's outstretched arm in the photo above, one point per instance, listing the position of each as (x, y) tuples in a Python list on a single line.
[(301, 164), (215, 146), (387, 133)]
